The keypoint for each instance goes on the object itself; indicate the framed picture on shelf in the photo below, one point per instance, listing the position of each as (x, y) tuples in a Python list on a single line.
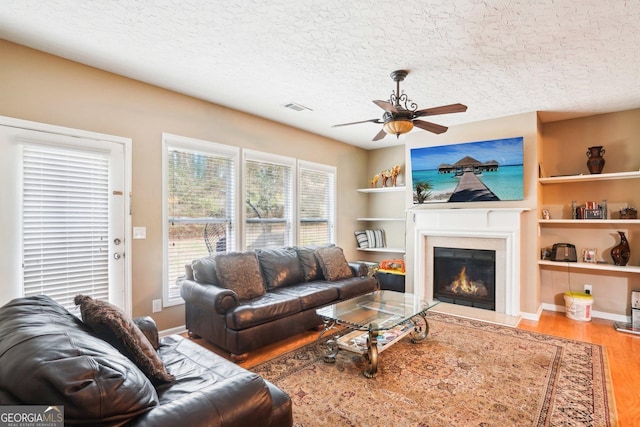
[(589, 255)]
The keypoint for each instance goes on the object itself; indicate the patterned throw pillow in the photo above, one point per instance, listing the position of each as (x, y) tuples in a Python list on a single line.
[(333, 263), (112, 325), (363, 240), (240, 272), (376, 238)]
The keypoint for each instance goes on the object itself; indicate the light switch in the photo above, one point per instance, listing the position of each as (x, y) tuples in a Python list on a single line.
[(139, 232)]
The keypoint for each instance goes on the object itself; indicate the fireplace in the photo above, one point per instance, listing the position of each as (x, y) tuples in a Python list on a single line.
[(465, 277), (494, 230)]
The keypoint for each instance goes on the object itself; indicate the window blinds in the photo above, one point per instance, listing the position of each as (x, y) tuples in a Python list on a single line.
[(201, 207), (316, 206), (65, 223), (268, 204)]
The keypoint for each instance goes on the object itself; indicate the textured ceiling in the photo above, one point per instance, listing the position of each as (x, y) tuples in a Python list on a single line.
[(334, 57)]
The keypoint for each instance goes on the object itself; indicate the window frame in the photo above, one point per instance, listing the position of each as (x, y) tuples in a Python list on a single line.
[(208, 148)]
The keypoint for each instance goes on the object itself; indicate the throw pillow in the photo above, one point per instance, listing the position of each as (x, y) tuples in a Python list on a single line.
[(204, 270), (111, 324), (240, 272), (363, 240), (309, 262), (280, 267), (375, 238), (333, 263)]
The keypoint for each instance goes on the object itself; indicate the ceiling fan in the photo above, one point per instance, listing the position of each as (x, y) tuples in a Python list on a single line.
[(400, 113)]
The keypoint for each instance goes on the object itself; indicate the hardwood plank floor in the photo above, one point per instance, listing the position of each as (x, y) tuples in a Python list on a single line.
[(623, 353)]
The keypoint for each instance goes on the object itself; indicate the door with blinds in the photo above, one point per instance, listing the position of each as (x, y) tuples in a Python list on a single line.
[(63, 216)]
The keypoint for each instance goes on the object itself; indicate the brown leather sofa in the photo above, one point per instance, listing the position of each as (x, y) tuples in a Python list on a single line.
[(289, 285), (48, 356)]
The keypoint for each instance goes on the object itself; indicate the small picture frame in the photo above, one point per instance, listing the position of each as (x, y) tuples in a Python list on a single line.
[(545, 214), (589, 255)]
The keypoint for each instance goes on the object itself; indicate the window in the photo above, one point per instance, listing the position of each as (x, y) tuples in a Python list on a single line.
[(316, 203), (200, 206), (65, 210), (268, 200)]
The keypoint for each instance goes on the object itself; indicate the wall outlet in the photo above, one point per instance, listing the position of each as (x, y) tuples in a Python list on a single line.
[(157, 305), (587, 289)]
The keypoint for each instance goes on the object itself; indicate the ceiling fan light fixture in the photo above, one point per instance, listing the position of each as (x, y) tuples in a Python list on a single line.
[(398, 127)]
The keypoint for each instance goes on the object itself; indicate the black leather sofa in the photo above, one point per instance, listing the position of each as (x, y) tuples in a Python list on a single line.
[(48, 356), (288, 285)]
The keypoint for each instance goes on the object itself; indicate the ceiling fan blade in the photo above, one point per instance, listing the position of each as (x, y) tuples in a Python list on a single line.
[(379, 135), (445, 109), (355, 123), (386, 106), (431, 127)]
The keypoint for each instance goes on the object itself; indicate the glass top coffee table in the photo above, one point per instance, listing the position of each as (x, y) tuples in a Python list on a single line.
[(373, 323)]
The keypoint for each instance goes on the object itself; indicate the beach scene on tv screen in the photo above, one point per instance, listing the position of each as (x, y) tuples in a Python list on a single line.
[(478, 171)]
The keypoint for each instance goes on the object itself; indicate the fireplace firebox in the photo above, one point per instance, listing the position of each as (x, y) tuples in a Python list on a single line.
[(465, 277)]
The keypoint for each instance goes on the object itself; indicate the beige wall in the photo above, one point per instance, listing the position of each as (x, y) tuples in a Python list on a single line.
[(43, 88)]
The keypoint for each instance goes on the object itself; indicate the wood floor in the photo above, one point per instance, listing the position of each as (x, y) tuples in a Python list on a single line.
[(623, 352)]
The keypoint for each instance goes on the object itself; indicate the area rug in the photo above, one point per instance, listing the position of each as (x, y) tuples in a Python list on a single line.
[(465, 373)]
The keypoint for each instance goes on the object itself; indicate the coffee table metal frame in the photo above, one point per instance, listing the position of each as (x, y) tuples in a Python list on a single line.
[(374, 322)]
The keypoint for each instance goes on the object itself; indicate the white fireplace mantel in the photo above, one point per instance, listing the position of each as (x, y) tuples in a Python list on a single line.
[(481, 228)]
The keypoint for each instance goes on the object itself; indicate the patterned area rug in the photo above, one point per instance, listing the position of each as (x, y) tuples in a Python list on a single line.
[(465, 373)]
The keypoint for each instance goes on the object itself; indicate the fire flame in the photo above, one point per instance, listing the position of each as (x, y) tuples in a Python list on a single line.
[(462, 285)]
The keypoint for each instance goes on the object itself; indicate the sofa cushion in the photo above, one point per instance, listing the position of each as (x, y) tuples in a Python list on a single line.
[(48, 356), (204, 270), (333, 263), (280, 267), (354, 286), (240, 272), (113, 325), (271, 306), (309, 263), (311, 294)]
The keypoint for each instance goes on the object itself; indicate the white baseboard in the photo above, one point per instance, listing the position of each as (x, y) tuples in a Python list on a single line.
[(594, 313), (532, 316), (173, 331)]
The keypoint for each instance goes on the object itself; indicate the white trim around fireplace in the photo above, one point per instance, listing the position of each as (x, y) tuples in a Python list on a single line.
[(491, 228)]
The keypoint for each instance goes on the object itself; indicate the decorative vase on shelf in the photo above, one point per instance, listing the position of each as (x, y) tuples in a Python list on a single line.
[(621, 252), (596, 161)]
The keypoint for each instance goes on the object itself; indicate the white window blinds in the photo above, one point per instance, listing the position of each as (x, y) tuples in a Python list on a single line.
[(200, 206), (268, 201), (65, 223), (316, 203)]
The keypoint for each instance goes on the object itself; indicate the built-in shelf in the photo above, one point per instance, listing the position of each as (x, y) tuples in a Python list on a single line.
[(382, 189), (591, 266), (380, 219), (589, 221), (385, 250), (591, 177)]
